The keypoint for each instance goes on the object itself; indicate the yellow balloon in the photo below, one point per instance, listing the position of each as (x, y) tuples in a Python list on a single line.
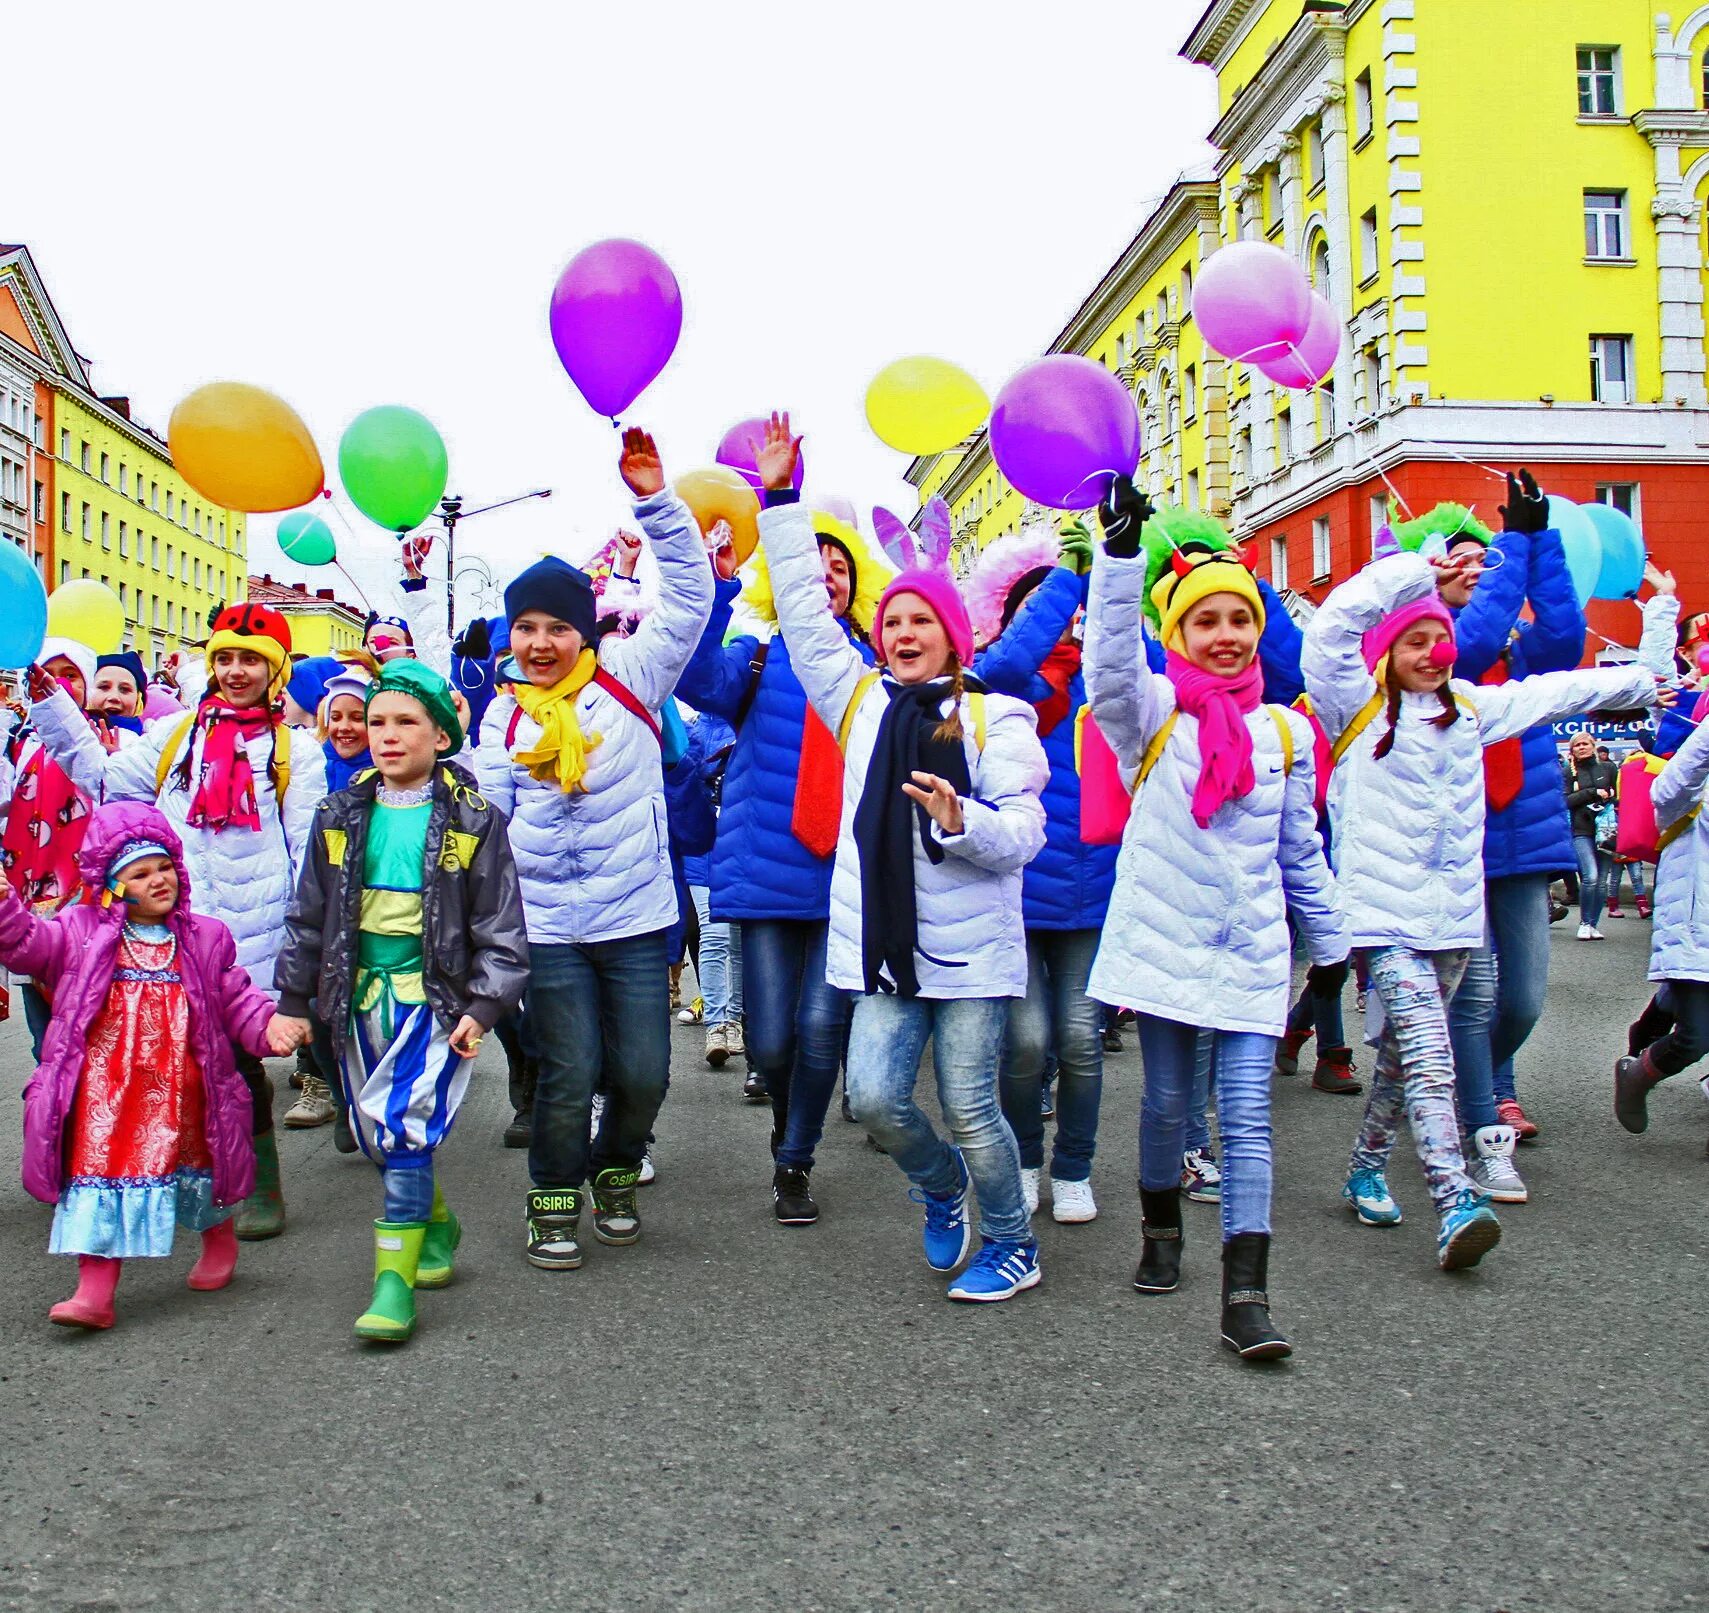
[(89, 612), (721, 494), (244, 448), (923, 405)]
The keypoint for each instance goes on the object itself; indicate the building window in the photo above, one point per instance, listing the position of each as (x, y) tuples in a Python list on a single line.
[(106, 532), (1379, 515), (1186, 290), (1611, 369), (65, 571), (1313, 157), (85, 523), (1192, 490), (39, 436), (154, 552), (198, 582), (1285, 435), (124, 477), (1279, 562), (169, 504), (1605, 232), (169, 570), (65, 446), (41, 504), (1272, 199), (1370, 397), (1370, 247), (104, 469), (1363, 107), (1320, 548), (1320, 268), (1623, 496), (156, 613), (1190, 391), (65, 512), (154, 495), (123, 594), (1598, 81), (86, 458), (124, 544)]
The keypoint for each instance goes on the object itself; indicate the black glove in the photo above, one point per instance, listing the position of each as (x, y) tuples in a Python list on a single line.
[(475, 644), (1326, 979), (1123, 512), (1526, 509)]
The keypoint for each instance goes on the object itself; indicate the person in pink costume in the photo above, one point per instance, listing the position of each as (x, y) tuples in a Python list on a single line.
[(136, 1120)]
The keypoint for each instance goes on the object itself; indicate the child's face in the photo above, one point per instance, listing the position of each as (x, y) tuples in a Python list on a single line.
[(916, 647), (1409, 658), (385, 643), (62, 669), (545, 648), (151, 888), (347, 725), (1220, 634), (403, 739), (242, 676), (115, 693)]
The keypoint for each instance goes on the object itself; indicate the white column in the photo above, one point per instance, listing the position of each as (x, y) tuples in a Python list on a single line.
[(1338, 208)]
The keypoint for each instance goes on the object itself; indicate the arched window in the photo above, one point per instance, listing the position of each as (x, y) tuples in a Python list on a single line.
[(1320, 267)]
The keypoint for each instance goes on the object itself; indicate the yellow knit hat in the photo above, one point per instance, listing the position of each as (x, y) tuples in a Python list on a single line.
[(1193, 577)]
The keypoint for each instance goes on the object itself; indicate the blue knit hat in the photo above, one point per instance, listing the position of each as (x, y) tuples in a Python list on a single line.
[(557, 588), (307, 682)]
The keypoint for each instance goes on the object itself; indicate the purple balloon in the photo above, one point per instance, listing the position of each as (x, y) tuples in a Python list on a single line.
[(1251, 302), (739, 451), (616, 316), (1062, 429), (1315, 353)]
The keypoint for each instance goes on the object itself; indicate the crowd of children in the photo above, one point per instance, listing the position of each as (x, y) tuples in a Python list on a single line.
[(887, 821)]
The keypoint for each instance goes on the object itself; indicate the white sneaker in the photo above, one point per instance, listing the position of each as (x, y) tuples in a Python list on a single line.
[(1596, 934), (1029, 1189), (1072, 1202), (649, 1171), (1491, 1166), (314, 1105), (1585, 933), (734, 1040)]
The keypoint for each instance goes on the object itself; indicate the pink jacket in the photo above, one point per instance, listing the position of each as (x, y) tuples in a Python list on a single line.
[(73, 956)]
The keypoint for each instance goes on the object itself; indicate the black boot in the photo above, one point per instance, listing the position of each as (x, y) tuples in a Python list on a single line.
[(1649, 1027), (1633, 1078), (1159, 1270), (1246, 1325)]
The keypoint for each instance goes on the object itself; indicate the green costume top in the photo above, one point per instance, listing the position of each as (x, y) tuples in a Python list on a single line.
[(388, 949)]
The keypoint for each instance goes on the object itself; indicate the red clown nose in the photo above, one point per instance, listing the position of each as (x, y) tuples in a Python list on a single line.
[(1442, 653)]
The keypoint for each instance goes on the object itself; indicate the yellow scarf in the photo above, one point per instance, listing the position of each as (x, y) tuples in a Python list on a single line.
[(560, 757)]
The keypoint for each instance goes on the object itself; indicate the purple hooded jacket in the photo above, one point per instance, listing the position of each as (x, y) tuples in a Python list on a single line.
[(73, 956)]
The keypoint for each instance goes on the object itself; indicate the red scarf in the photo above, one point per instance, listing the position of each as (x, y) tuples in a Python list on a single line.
[(1504, 761), (1225, 742), (44, 832), (817, 816), (225, 786), (1058, 671)]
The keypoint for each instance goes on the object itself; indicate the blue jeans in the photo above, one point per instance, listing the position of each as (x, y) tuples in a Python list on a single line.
[(1056, 1019), (603, 1007), (1199, 1100), (1321, 1015), (1595, 878), (887, 1037), (1636, 870), (797, 1023), (1500, 996), (1243, 1064), (718, 964)]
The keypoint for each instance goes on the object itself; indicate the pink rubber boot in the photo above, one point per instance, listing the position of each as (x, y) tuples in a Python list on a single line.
[(92, 1305), (218, 1258)]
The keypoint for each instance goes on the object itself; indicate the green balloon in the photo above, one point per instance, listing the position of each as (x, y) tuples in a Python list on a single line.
[(307, 539), (393, 466)]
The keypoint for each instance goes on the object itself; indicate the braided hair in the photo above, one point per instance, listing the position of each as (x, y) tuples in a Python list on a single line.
[(950, 728), (1449, 715)]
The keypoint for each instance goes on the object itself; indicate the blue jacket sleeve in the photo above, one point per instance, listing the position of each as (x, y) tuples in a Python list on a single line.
[(1155, 658), (1554, 640), (688, 801), (1010, 666), (1673, 728), (1279, 650), (1485, 624), (717, 675)]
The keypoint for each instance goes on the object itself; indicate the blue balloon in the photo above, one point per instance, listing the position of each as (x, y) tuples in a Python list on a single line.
[(1622, 552), (23, 608), (1583, 546)]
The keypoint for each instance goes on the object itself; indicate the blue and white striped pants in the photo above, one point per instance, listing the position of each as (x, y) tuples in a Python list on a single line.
[(404, 1093)]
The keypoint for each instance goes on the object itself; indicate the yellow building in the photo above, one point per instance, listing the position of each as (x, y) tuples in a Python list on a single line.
[(321, 624), (108, 502), (1503, 202)]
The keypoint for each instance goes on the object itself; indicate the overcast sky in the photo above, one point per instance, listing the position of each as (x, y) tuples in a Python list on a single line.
[(354, 204)]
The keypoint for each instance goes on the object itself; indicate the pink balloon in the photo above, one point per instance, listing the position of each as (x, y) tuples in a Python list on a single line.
[(739, 451), (1061, 428), (616, 315), (1251, 302), (1314, 355)]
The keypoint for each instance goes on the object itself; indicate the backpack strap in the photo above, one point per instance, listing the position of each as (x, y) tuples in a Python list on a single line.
[(1154, 750), (1286, 734), (1362, 720), (756, 670), (620, 692), (860, 693), (976, 702), (169, 751), (1675, 829)]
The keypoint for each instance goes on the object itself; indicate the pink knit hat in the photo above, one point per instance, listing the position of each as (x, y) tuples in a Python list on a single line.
[(938, 590), (1380, 639)]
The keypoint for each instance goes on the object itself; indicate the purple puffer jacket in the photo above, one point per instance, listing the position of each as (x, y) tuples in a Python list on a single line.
[(73, 956)]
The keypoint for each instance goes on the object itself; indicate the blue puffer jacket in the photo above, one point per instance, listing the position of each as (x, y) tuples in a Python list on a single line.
[(1278, 651), (759, 869), (1531, 835), (688, 796), (1067, 885)]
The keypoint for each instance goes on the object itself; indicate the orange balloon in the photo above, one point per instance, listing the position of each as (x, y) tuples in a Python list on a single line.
[(721, 494), (244, 448)]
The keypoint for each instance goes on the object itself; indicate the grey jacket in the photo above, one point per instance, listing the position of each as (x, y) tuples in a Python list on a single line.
[(474, 942)]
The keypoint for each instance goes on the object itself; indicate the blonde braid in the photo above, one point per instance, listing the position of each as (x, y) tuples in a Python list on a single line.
[(950, 729)]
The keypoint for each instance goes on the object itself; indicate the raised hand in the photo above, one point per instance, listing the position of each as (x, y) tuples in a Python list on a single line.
[(628, 552), (1661, 581), (1450, 568), (777, 454), (1124, 510), (721, 545), (639, 463), (1526, 509), (938, 797)]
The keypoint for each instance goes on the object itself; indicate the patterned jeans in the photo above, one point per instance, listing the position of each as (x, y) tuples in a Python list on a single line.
[(1415, 1068)]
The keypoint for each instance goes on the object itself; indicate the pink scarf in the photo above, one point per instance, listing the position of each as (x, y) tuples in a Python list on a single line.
[(1225, 743)]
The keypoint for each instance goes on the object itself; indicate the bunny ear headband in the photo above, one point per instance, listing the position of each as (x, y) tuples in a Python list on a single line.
[(930, 551)]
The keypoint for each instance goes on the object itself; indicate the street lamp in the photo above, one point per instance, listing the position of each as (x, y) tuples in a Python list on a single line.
[(451, 511)]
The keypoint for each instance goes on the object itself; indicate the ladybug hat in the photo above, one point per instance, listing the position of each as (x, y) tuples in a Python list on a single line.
[(248, 626)]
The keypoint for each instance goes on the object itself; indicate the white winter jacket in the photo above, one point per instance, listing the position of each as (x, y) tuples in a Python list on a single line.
[(972, 942), (595, 866), (1408, 829), (1197, 930), (243, 877), (1679, 940)]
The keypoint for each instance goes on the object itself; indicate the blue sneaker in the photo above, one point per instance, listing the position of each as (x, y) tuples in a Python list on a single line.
[(1367, 1191), (998, 1271), (947, 1233), (1468, 1232)]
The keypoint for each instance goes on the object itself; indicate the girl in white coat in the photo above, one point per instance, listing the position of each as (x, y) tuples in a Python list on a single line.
[(1221, 840), (1406, 801), (940, 814)]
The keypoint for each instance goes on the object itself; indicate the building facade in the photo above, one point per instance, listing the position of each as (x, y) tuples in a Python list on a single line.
[(321, 624), (1504, 204), (100, 495)]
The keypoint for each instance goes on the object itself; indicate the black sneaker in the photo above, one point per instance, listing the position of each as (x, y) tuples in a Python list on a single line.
[(754, 1088), (615, 1218), (552, 1216), (1112, 1038), (520, 1132), (792, 1197), (1046, 1103)]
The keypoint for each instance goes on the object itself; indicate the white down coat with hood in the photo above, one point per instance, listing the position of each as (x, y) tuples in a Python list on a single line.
[(972, 942), (595, 866), (1197, 929), (1408, 829), (1679, 942)]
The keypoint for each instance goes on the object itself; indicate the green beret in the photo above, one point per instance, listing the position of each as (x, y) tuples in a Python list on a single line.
[(401, 675)]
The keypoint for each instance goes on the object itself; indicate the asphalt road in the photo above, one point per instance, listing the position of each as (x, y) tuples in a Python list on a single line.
[(737, 1415)]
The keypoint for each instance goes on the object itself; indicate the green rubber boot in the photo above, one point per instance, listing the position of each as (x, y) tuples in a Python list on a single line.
[(444, 1233), (262, 1214), (390, 1316)]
